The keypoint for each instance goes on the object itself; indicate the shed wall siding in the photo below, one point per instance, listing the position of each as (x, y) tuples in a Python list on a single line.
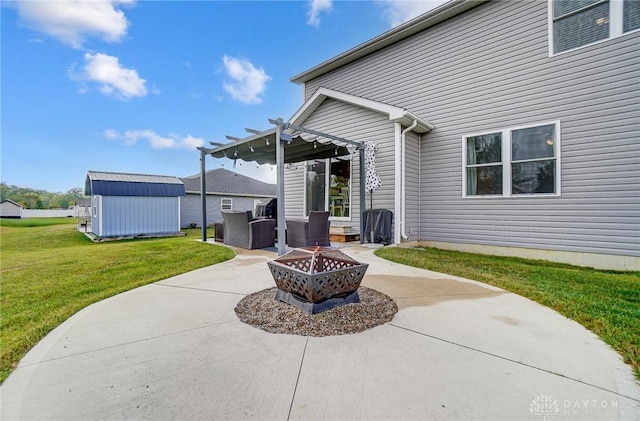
[(473, 74), (191, 208), (357, 124), (132, 215)]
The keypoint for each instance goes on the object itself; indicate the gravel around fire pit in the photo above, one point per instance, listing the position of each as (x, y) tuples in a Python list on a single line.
[(261, 310)]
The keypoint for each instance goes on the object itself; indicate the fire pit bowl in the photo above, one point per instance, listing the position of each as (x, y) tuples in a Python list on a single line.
[(317, 279)]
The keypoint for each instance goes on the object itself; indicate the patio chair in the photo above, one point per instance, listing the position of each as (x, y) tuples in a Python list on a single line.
[(240, 230), (314, 232)]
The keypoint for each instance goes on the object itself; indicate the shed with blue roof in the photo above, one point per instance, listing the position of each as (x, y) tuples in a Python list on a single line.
[(124, 205)]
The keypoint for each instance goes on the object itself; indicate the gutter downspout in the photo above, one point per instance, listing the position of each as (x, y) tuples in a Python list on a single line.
[(403, 222), (397, 183), (419, 187)]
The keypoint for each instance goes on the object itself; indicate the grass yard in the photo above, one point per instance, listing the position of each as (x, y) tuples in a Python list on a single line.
[(605, 302), (49, 271)]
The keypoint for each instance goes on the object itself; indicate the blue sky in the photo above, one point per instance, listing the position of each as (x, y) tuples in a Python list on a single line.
[(126, 86)]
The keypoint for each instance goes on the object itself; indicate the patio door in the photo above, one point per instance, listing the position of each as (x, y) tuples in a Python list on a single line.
[(328, 187)]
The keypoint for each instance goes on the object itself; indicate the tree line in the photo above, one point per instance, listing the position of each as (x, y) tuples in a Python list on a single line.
[(40, 199)]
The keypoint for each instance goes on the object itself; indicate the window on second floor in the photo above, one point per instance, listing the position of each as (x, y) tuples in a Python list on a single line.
[(582, 22)]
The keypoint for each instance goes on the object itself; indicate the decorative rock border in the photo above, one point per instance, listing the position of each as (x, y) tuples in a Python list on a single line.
[(263, 311)]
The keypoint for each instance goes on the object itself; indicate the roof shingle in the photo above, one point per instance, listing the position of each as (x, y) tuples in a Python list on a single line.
[(222, 181)]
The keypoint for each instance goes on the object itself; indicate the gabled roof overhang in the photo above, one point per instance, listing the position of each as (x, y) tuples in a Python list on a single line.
[(396, 114)]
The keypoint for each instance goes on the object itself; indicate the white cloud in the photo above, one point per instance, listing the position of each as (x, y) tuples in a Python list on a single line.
[(111, 134), (247, 82), (192, 142), (131, 137), (401, 11), (114, 79), (315, 8), (72, 21)]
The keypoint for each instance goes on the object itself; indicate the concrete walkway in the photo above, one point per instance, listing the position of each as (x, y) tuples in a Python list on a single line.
[(457, 349)]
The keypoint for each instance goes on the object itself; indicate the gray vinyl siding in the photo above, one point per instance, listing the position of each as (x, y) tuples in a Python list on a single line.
[(191, 208), (357, 124), (412, 186), (294, 191), (10, 210), (134, 215), (489, 69)]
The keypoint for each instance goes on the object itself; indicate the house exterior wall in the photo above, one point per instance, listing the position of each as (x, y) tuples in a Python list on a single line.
[(490, 69), (135, 215), (357, 124), (191, 208), (412, 186), (10, 210)]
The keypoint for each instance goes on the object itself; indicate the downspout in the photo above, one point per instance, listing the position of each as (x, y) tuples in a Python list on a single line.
[(403, 141), (397, 206), (419, 187)]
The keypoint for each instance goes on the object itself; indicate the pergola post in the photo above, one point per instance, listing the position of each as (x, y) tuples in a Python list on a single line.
[(203, 193), (362, 192), (282, 247)]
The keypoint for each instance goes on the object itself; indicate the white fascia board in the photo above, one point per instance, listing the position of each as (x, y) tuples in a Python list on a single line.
[(396, 114)]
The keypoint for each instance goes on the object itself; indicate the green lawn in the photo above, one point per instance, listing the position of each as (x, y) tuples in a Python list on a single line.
[(49, 271), (606, 302)]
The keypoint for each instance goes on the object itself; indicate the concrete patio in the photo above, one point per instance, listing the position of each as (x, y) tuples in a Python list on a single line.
[(457, 349)]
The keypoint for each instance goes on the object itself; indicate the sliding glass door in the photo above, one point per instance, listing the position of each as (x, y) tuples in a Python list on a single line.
[(328, 187)]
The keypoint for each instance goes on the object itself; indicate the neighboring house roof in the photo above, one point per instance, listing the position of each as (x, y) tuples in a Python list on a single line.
[(124, 184), (422, 22), (12, 202), (225, 182), (83, 202), (396, 114)]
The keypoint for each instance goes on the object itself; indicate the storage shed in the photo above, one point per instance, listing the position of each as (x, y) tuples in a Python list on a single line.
[(124, 205), (10, 209)]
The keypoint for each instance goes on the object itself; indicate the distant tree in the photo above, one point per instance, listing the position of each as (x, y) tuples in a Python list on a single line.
[(41, 199), (31, 198)]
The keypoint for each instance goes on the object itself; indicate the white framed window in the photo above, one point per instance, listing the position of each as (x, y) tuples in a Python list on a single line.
[(226, 204), (94, 199), (328, 187), (577, 23), (517, 161)]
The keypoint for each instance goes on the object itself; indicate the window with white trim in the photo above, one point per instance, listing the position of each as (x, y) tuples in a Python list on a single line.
[(512, 162), (226, 204), (577, 23)]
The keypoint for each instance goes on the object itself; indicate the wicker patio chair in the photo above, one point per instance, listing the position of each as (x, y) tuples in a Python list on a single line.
[(314, 232), (241, 231)]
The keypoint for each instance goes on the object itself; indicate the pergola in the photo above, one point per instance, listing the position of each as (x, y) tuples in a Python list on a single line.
[(285, 143)]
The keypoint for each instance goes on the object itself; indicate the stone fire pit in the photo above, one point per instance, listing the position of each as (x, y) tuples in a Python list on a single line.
[(316, 279)]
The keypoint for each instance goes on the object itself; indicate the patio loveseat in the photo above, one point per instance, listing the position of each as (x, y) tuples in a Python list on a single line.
[(241, 230)]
